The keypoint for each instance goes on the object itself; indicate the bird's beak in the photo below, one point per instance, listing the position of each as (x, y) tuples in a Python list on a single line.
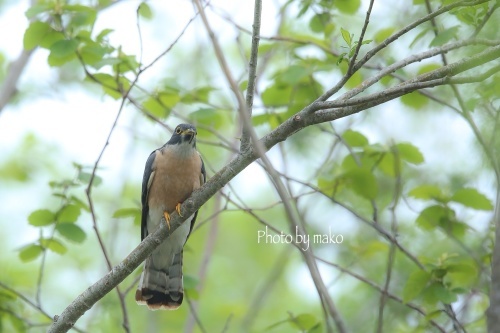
[(189, 132)]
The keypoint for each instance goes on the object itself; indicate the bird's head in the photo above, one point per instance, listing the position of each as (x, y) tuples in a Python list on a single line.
[(184, 134)]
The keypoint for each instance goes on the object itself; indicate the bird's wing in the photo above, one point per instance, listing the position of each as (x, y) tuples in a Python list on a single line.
[(147, 180)]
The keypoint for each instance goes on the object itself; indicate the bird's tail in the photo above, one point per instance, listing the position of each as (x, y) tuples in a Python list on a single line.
[(161, 289)]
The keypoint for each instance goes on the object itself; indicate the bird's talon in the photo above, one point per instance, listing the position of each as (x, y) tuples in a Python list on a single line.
[(178, 209), (167, 219)]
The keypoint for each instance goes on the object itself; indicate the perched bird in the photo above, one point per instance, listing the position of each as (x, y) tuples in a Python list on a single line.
[(172, 173)]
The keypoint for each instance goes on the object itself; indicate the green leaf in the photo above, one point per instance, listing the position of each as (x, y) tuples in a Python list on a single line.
[(80, 15), (85, 177), (304, 321), (79, 203), (63, 48), (420, 35), (436, 292), (319, 21), (388, 165), (427, 192), (445, 36), (410, 153), (37, 9), (50, 38), (62, 51), (153, 106), (415, 284), (383, 34), (276, 95), (346, 36), (109, 84), (470, 197), (208, 116), (71, 232), (68, 214), (161, 103), (201, 94), (428, 68), (126, 212), (41, 217), (461, 275), (347, 6), (30, 252), (54, 245), (145, 11), (100, 37), (414, 100), (93, 54), (34, 34), (355, 139), (362, 182), (434, 216), (293, 75)]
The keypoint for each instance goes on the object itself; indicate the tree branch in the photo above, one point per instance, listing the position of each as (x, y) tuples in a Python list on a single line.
[(310, 115), (252, 70)]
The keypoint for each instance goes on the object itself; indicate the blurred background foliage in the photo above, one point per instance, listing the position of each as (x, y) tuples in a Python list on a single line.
[(408, 189)]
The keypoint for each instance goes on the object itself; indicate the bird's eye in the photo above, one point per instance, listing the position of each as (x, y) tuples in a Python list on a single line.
[(178, 130)]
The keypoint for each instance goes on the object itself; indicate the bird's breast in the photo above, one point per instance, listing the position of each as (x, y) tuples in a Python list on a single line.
[(174, 180)]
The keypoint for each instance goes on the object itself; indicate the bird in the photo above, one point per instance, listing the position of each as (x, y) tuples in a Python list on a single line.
[(172, 173)]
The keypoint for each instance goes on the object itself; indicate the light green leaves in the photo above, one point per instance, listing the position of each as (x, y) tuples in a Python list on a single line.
[(427, 192), (361, 170), (409, 153), (62, 51), (346, 36), (468, 197), (442, 214), (71, 232), (414, 100), (41, 217), (362, 181), (415, 284), (35, 33), (434, 216), (471, 198), (134, 213), (445, 36), (30, 252), (145, 11), (354, 139), (351, 45), (447, 277), (62, 221), (347, 6)]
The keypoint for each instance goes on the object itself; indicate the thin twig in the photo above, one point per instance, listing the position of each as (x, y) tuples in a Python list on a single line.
[(195, 316), (360, 40), (222, 61), (392, 248)]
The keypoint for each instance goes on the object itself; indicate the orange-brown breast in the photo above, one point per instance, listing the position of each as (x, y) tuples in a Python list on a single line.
[(174, 180)]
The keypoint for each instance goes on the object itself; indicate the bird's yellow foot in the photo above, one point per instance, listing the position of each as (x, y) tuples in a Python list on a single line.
[(178, 209), (167, 219)]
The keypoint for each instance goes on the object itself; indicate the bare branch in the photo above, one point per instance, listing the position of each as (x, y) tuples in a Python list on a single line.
[(9, 86), (252, 70)]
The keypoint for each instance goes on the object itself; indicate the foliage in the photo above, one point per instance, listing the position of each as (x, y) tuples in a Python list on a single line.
[(416, 239)]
